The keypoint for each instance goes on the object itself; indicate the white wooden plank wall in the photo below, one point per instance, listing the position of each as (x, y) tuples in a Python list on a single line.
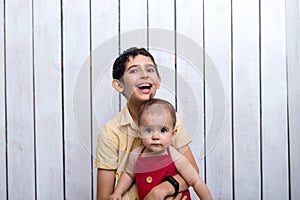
[(2, 112), (104, 22), (245, 99), (293, 60), (76, 49), (55, 75), (217, 40), (20, 126), (48, 100)]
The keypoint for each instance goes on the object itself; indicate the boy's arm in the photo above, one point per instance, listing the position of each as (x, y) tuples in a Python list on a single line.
[(105, 183), (165, 189)]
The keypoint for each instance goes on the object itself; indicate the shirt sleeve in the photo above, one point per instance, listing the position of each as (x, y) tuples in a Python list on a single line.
[(107, 149), (182, 138)]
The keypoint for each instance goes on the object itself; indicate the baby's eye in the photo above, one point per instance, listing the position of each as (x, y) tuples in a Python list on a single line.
[(163, 130), (148, 130)]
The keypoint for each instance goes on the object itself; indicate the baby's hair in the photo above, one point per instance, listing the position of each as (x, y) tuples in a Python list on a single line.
[(120, 63), (167, 106)]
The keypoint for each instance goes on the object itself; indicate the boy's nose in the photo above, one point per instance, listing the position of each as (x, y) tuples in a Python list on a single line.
[(144, 73)]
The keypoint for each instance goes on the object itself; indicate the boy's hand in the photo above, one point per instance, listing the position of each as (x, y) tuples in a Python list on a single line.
[(154, 194), (178, 197), (158, 193)]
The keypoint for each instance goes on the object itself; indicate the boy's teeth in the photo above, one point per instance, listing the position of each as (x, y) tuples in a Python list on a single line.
[(144, 85)]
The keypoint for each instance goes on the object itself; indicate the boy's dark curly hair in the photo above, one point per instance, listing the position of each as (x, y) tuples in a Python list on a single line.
[(120, 63)]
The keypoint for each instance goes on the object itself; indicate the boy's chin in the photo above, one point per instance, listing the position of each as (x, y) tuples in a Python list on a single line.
[(141, 98)]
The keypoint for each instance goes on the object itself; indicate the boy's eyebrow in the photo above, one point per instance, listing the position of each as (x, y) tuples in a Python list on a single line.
[(147, 65)]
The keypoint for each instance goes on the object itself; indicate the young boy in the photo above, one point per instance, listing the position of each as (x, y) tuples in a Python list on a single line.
[(156, 160), (135, 75)]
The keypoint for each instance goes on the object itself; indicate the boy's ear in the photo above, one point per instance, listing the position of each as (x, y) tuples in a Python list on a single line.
[(158, 83), (117, 85)]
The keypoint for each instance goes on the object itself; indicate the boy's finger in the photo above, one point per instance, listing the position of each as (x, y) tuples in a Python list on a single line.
[(184, 198), (179, 196)]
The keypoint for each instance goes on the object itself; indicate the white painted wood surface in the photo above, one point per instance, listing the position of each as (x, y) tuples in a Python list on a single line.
[(2, 112), (133, 16), (217, 41), (77, 133), (293, 62), (246, 101), (190, 80), (20, 100), (56, 71), (105, 46), (274, 101), (161, 16), (48, 100)]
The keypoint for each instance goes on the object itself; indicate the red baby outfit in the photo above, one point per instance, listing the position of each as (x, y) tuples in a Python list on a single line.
[(150, 171)]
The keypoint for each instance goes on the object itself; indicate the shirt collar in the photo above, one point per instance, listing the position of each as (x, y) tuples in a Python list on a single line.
[(125, 117)]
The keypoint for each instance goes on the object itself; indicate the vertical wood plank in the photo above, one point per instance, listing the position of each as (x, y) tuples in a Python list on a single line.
[(217, 40), (129, 10), (20, 116), (190, 75), (293, 61), (105, 46), (161, 16), (77, 110), (246, 99), (2, 108), (48, 100), (274, 101)]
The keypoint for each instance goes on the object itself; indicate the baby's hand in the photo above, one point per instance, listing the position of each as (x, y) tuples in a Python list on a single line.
[(115, 197)]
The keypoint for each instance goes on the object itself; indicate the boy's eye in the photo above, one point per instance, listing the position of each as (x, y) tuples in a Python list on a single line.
[(151, 70), (133, 71)]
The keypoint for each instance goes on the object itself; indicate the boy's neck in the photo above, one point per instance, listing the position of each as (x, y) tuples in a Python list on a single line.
[(133, 108)]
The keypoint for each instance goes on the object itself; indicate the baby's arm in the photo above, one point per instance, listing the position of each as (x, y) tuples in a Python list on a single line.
[(190, 175), (128, 177), (123, 185)]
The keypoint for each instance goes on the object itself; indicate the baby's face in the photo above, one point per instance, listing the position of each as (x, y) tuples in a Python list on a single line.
[(156, 128)]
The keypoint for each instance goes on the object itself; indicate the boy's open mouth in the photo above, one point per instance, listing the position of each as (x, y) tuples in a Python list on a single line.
[(145, 87)]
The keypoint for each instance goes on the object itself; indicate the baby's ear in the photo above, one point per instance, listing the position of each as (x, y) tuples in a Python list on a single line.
[(174, 133), (117, 85)]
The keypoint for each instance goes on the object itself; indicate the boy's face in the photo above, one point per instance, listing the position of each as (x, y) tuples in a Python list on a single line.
[(156, 127), (140, 80)]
